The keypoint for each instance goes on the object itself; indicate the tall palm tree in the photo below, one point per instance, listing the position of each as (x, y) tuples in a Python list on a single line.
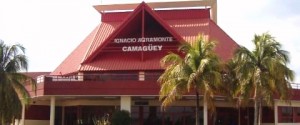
[(197, 70), (262, 73), (12, 90)]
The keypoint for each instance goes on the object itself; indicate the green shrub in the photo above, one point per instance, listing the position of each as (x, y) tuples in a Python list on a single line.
[(121, 118)]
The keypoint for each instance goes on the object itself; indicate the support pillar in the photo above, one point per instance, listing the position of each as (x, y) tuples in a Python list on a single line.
[(52, 110), (80, 76), (22, 122), (126, 103), (63, 115), (205, 118), (275, 112)]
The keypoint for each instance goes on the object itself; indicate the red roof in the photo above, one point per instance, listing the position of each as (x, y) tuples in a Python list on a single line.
[(98, 53), (189, 29), (132, 20), (121, 62), (72, 63), (34, 75)]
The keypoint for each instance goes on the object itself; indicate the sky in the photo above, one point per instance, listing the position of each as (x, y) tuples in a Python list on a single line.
[(51, 29)]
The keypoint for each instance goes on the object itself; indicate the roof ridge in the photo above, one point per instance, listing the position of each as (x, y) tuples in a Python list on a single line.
[(89, 48), (58, 70)]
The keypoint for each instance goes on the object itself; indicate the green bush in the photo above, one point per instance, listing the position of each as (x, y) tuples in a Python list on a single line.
[(121, 118)]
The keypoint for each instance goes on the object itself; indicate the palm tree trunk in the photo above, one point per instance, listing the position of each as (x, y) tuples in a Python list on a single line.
[(259, 111), (255, 107), (255, 112), (197, 107), (239, 116)]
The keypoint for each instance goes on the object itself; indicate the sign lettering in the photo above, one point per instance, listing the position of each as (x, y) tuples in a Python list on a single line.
[(149, 47), (144, 39)]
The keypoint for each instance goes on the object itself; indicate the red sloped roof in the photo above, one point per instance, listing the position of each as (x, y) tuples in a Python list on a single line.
[(72, 63), (190, 29), (103, 33), (225, 44), (34, 75), (122, 62), (93, 52), (186, 27), (96, 47)]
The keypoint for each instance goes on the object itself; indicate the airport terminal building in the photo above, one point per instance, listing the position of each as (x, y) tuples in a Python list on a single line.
[(117, 66)]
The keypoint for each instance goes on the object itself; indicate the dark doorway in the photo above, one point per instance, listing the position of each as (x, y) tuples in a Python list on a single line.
[(153, 115)]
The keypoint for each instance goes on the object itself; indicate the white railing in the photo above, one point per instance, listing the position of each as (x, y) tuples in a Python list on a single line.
[(295, 85), (101, 77), (40, 79)]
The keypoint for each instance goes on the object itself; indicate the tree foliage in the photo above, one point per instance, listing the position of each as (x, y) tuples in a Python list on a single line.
[(197, 71), (262, 73), (12, 90)]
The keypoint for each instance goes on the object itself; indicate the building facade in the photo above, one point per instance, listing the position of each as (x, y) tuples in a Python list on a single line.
[(117, 66)]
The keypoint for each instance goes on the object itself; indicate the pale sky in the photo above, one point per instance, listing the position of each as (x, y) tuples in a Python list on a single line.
[(51, 29)]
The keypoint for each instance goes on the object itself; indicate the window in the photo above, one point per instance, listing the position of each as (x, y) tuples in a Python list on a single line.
[(297, 111), (287, 111), (286, 115)]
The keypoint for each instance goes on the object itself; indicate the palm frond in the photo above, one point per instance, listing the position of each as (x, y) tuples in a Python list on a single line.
[(12, 83), (199, 70), (262, 73)]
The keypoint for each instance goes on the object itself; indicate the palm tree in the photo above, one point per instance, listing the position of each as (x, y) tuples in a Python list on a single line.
[(12, 90), (197, 70), (262, 73), (229, 81), (230, 85)]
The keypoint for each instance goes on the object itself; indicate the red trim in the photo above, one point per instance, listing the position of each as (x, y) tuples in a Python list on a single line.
[(143, 6), (102, 88), (143, 29), (126, 87)]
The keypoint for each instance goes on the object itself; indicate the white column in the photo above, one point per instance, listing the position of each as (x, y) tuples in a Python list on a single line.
[(205, 118), (126, 103), (141, 76), (80, 76), (22, 122), (275, 112), (52, 110)]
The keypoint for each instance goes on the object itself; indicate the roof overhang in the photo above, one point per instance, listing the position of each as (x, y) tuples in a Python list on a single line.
[(102, 8)]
